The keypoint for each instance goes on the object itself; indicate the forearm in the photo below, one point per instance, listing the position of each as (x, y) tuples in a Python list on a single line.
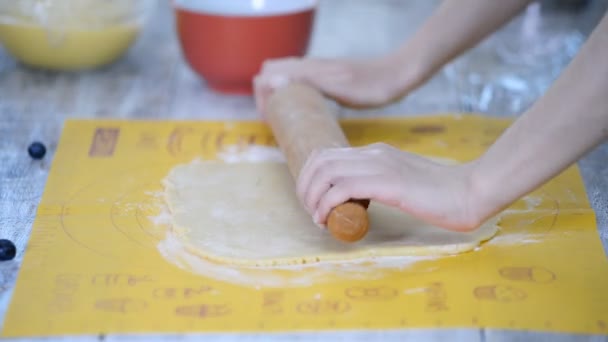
[(456, 26), (570, 120)]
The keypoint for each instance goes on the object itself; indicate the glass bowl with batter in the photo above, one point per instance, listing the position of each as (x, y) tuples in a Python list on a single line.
[(70, 34)]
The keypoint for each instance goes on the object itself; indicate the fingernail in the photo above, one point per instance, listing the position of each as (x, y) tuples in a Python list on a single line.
[(316, 217), (316, 221)]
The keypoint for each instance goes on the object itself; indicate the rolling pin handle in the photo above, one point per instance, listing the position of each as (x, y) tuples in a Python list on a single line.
[(349, 221)]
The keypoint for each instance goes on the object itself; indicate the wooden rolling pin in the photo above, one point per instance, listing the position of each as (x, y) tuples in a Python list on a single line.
[(302, 122)]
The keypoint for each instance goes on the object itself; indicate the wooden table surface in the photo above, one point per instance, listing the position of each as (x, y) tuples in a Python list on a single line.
[(502, 76)]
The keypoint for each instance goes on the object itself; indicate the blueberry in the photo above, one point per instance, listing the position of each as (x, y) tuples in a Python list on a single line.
[(37, 150), (7, 250)]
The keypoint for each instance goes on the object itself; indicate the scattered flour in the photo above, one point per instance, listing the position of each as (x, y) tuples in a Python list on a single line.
[(163, 218), (155, 194), (516, 239), (532, 202)]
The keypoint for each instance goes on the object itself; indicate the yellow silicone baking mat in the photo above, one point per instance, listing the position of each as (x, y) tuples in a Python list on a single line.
[(101, 258)]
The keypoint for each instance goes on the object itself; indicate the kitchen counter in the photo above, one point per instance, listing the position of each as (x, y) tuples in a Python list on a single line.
[(501, 77)]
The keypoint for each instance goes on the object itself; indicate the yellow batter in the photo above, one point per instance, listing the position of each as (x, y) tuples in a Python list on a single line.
[(92, 33), (247, 214)]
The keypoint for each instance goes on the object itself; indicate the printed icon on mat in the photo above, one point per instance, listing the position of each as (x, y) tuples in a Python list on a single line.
[(272, 302), (499, 293), (181, 293), (218, 141), (186, 140), (148, 141), (436, 298), (104, 142), (115, 279), (203, 310), (121, 305), (371, 293), (65, 288), (323, 307), (531, 274), (174, 143)]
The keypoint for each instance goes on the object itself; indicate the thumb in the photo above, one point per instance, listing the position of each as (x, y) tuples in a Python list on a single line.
[(264, 87)]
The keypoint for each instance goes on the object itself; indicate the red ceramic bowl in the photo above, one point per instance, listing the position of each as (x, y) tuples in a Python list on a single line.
[(226, 41)]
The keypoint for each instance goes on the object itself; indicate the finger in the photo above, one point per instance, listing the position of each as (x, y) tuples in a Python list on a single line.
[(291, 68), (279, 65), (259, 95), (305, 174), (331, 173), (322, 74), (373, 187), (333, 78), (274, 74), (316, 159), (264, 87), (296, 67)]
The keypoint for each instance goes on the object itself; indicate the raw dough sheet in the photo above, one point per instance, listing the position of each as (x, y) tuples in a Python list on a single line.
[(247, 214)]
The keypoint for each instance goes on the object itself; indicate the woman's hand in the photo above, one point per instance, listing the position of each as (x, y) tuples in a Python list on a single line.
[(436, 193), (365, 83)]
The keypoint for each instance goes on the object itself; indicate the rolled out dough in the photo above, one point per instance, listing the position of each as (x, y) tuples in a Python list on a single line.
[(247, 214)]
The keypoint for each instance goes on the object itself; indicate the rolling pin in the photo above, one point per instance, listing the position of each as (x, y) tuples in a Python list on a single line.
[(302, 122)]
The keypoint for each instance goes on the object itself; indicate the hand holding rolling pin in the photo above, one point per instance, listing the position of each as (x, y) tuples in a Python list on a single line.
[(563, 125)]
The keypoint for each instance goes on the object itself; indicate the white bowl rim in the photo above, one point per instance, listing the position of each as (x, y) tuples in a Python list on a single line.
[(246, 8)]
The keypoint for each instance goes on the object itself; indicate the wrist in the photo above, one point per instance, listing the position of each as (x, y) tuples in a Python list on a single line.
[(486, 195), (410, 70)]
